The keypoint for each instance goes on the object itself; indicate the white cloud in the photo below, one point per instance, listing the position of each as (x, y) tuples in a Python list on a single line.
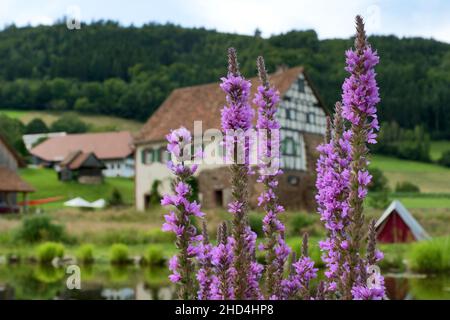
[(34, 20), (330, 18)]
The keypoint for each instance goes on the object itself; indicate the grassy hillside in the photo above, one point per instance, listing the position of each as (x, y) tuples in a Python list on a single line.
[(97, 122), (430, 178), (437, 148), (47, 185), (433, 181)]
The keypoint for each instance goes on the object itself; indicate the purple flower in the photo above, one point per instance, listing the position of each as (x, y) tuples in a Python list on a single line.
[(364, 178), (277, 252), (178, 141), (222, 260), (298, 282), (373, 290), (359, 97), (178, 221), (238, 114), (333, 185)]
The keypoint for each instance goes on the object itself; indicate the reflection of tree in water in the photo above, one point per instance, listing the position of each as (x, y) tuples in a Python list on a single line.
[(396, 288), (119, 273), (158, 284), (418, 287), (49, 274), (32, 282)]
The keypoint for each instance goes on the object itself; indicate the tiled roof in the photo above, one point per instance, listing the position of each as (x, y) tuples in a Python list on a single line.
[(105, 145), (11, 182), (202, 102), (77, 159)]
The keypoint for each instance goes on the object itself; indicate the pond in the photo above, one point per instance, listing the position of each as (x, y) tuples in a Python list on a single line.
[(101, 281)]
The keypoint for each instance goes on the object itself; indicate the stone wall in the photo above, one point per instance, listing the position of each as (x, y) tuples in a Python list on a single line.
[(296, 188)]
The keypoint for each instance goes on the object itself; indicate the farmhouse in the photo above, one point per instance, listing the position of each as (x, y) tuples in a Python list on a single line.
[(114, 149), (10, 182), (302, 117)]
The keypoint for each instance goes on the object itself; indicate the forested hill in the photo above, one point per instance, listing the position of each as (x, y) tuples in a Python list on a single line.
[(129, 71)]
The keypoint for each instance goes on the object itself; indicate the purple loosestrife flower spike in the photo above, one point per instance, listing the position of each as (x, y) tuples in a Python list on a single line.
[(371, 283), (223, 265), (302, 272), (333, 187), (178, 220), (238, 115), (297, 284), (360, 96), (320, 294), (207, 280), (277, 252), (371, 244)]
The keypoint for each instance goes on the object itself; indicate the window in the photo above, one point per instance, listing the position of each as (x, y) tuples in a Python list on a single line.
[(293, 180), (310, 117), (288, 146), (301, 85), (164, 155), (147, 156), (218, 198), (290, 114)]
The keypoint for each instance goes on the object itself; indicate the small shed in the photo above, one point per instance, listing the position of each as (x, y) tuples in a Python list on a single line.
[(398, 225), (84, 167)]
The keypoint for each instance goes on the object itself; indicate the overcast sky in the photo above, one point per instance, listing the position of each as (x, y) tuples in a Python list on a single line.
[(330, 18)]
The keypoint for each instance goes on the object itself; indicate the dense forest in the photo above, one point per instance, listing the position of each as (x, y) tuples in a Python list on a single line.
[(128, 71)]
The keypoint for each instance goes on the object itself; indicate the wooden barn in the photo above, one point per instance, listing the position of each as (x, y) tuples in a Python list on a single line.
[(398, 225), (84, 167)]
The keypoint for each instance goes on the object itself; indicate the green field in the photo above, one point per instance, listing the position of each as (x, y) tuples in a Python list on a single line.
[(437, 148), (47, 185), (433, 181), (429, 177), (97, 122)]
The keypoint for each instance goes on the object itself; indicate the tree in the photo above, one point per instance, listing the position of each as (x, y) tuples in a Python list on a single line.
[(132, 79), (36, 126), (12, 130), (69, 123), (116, 198), (445, 159), (83, 105)]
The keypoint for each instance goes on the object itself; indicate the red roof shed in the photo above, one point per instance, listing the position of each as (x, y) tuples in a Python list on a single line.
[(398, 225)]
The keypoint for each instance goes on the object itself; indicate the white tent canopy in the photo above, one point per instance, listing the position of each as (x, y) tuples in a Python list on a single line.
[(82, 203), (396, 206)]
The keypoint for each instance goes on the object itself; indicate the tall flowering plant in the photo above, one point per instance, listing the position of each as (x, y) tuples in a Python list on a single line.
[(276, 250), (360, 96), (229, 270), (237, 116), (178, 220), (333, 188)]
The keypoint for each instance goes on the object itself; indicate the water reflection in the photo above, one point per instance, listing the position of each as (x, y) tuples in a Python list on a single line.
[(100, 282)]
